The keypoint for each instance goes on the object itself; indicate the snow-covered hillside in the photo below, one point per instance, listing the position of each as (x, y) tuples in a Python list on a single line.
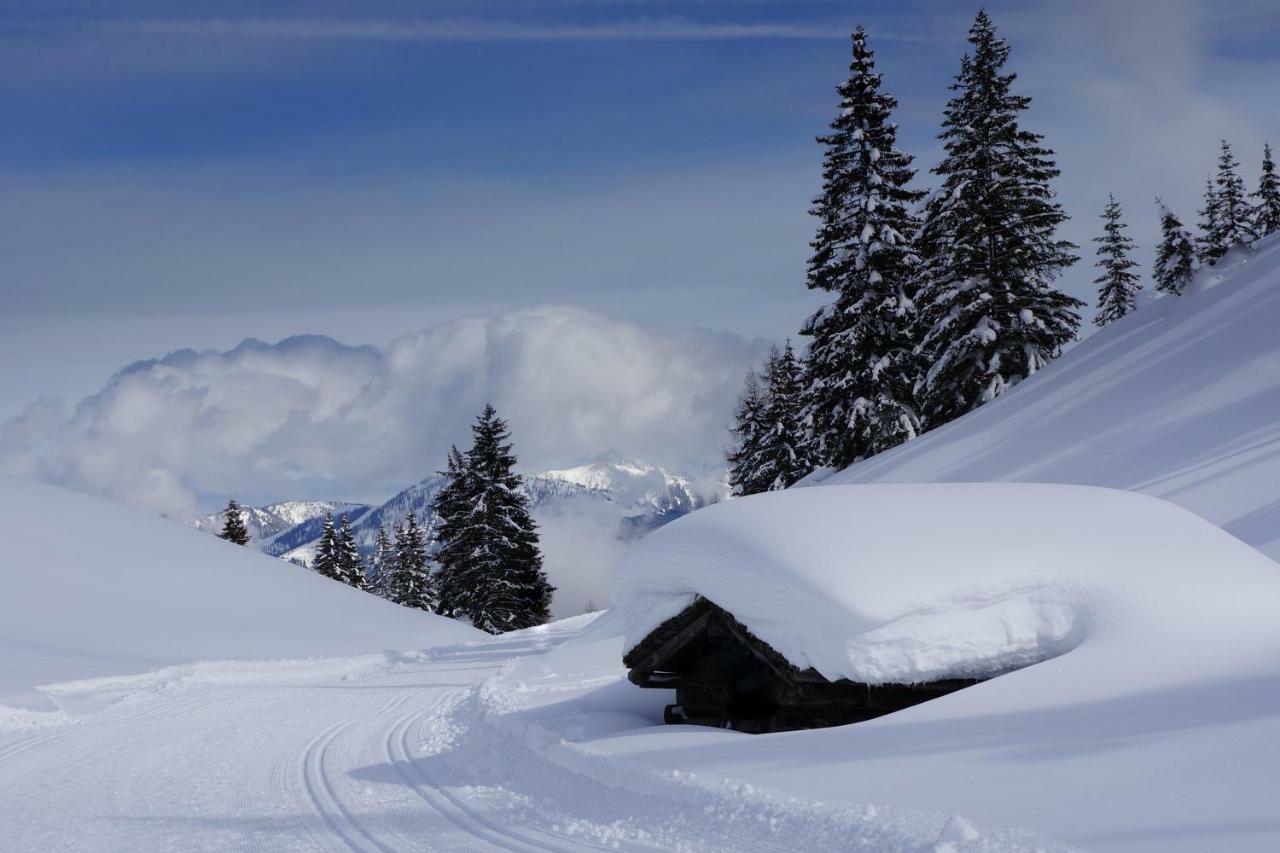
[(129, 592), (1181, 400)]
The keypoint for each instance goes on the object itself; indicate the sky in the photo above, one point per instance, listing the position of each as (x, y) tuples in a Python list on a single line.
[(181, 176)]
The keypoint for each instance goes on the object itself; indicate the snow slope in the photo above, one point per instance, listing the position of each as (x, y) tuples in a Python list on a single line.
[(119, 592), (1180, 400)]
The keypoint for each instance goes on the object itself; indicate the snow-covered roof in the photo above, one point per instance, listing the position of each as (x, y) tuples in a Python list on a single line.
[(908, 583)]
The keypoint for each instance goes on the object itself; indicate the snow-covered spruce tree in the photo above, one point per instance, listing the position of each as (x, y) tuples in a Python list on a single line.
[(496, 556), (1118, 286), (410, 583), (1206, 245), (392, 562), (450, 510), (381, 563), (783, 456), (1228, 216), (861, 369), (748, 426), (990, 315), (1176, 260), (326, 559), (1266, 213), (350, 565), (233, 527)]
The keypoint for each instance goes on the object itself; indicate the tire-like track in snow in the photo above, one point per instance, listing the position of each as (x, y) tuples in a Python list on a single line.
[(400, 751)]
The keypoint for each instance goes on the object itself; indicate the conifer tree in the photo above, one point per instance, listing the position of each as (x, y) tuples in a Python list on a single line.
[(326, 559), (990, 315), (410, 583), (1118, 286), (783, 451), (1207, 245), (1229, 213), (233, 526), (1266, 213), (748, 429), (493, 551), (861, 367), (1176, 259), (349, 564), (381, 563), (450, 511)]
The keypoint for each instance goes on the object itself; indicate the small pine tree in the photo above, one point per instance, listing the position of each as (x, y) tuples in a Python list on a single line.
[(1228, 216), (1176, 259), (492, 551), (410, 584), (1266, 213), (1118, 286), (233, 526), (990, 315), (861, 367), (747, 432), (349, 564), (783, 452), (326, 559)]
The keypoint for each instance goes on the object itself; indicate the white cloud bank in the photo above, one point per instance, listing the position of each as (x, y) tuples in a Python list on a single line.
[(309, 417)]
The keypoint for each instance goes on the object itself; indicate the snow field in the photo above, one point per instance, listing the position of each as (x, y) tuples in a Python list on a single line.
[(95, 589)]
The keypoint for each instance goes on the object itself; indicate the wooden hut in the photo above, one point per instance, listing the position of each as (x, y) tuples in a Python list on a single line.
[(724, 676)]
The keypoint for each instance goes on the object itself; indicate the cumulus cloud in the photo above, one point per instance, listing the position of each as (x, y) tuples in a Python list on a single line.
[(310, 417)]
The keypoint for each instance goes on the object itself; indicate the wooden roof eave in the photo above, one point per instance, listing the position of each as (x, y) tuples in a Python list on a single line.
[(665, 641)]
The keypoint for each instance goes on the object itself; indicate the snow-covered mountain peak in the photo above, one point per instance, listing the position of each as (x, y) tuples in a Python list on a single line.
[(631, 483)]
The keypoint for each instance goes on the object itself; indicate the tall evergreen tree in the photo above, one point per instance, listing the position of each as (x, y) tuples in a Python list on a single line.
[(783, 451), (493, 552), (381, 563), (327, 548), (349, 564), (233, 526), (1118, 286), (450, 511), (1266, 213), (990, 314), (1176, 260), (745, 477), (1206, 242), (410, 583), (1229, 213), (861, 366)]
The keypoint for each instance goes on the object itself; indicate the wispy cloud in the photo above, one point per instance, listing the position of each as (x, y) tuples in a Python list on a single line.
[(678, 29)]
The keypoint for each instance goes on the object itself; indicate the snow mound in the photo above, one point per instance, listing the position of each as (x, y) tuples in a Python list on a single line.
[(93, 589), (910, 583), (1180, 400)]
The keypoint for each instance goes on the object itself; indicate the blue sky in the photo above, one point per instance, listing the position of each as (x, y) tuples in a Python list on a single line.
[(192, 174)]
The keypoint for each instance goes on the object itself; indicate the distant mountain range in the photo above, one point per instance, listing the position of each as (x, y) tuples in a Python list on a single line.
[(268, 524), (611, 500)]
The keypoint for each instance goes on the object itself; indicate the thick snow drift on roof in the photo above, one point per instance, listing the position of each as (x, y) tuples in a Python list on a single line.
[(906, 583), (94, 589), (1181, 400)]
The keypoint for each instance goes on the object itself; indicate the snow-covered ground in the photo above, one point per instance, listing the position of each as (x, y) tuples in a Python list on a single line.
[(459, 747), (165, 690), (92, 588)]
